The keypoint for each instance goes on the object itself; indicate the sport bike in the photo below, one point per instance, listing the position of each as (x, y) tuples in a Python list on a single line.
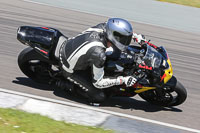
[(149, 64)]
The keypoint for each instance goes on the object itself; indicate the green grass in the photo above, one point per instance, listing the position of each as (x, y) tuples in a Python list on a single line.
[(15, 121), (193, 3)]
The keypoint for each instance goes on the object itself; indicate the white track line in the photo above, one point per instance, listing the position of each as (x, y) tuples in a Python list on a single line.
[(30, 1), (100, 110)]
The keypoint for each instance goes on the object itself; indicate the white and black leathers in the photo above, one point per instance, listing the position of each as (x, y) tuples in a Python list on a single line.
[(87, 50)]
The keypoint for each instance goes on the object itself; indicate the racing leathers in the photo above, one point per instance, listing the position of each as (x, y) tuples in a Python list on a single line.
[(87, 51)]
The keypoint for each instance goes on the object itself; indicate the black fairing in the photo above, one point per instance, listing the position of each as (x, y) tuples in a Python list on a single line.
[(172, 82), (42, 39)]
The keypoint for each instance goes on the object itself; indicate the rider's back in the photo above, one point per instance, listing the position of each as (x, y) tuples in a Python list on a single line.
[(84, 49)]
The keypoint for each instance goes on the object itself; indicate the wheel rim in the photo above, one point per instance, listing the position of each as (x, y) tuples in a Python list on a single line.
[(168, 97), (38, 71)]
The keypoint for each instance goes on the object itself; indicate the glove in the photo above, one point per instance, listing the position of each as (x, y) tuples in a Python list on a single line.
[(129, 80), (139, 38)]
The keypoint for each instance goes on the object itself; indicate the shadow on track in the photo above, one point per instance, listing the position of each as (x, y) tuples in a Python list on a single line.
[(116, 102), (61, 93), (134, 104), (30, 83), (119, 102)]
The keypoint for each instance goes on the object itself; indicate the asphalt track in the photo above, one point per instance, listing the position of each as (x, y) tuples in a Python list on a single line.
[(183, 48), (152, 12)]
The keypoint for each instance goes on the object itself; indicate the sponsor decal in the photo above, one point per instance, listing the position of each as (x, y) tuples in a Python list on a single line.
[(41, 50), (152, 45), (145, 67), (161, 78), (45, 28)]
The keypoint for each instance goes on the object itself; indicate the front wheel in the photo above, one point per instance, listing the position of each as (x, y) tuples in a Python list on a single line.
[(168, 96)]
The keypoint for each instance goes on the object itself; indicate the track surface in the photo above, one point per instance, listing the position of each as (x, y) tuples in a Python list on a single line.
[(183, 48), (152, 12)]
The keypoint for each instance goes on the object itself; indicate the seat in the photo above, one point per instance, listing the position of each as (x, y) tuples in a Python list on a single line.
[(61, 40)]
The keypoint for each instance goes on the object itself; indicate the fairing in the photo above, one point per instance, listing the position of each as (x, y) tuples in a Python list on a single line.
[(156, 60), (168, 72)]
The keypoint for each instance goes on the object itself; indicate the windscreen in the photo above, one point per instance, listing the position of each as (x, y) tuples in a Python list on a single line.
[(152, 57)]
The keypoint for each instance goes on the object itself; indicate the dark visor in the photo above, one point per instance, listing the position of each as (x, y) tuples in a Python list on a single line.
[(125, 40)]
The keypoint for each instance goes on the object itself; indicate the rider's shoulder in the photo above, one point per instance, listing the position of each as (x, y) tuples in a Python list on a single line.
[(97, 52), (100, 26), (98, 56), (97, 28)]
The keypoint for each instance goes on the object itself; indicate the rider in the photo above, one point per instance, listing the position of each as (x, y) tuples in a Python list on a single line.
[(89, 50)]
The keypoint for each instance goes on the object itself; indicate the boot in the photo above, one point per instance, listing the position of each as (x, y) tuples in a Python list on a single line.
[(65, 85)]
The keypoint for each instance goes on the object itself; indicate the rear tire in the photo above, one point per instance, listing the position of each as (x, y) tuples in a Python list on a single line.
[(34, 65)]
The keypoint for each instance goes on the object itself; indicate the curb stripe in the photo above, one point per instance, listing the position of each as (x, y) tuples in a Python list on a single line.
[(100, 110)]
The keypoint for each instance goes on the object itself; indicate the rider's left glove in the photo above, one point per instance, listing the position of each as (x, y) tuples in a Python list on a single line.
[(139, 38)]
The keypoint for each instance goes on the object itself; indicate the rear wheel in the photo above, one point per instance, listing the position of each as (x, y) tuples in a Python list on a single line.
[(33, 65), (166, 96)]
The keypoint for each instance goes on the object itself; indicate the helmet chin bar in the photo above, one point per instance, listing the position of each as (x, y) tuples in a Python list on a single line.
[(114, 42), (120, 46)]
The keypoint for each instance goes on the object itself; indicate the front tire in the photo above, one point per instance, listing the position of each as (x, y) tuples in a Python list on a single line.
[(171, 96)]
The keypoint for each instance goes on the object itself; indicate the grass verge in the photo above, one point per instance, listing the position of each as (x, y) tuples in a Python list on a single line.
[(15, 121), (193, 3)]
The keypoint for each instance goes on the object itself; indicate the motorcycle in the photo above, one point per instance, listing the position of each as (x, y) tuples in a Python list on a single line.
[(156, 83)]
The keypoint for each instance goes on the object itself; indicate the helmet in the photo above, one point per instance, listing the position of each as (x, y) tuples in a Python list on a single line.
[(119, 32)]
